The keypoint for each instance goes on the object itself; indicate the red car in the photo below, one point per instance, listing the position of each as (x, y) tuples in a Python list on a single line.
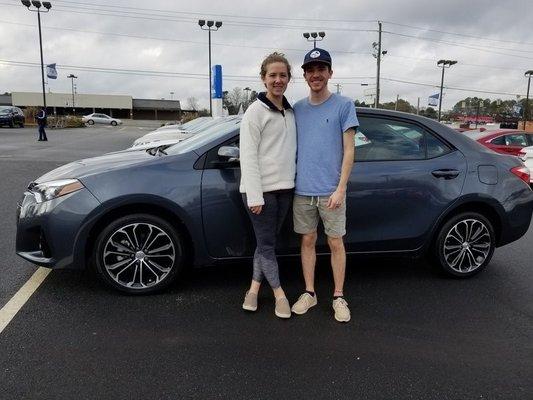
[(505, 141)]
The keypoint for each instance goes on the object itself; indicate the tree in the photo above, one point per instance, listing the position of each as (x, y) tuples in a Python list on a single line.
[(403, 105), (236, 98), (192, 103), (429, 112)]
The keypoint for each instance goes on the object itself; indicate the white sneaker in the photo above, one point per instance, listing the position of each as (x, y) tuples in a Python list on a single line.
[(304, 303), (342, 312)]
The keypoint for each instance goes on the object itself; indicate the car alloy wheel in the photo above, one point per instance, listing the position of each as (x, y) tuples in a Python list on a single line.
[(139, 254), (114, 123), (90, 122), (465, 244)]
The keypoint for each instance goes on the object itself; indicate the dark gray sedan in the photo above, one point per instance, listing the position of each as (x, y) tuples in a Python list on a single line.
[(417, 188)]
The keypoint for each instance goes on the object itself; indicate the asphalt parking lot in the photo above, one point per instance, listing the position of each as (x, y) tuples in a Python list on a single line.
[(413, 334)]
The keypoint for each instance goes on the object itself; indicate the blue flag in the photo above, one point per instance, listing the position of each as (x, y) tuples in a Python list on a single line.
[(433, 100), (51, 71)]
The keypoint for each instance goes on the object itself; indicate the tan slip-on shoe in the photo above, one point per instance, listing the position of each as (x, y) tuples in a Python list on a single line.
[(250, 302), (304, 303), (283, 309), (342, 312)]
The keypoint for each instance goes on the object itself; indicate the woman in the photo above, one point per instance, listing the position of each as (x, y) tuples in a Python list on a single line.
[(268, 168)]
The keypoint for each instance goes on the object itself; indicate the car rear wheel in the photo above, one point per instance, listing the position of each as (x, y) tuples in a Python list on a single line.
[(11, 123), (465, 244), (90, 122), (114, 123), (138, 254), (21, 124)]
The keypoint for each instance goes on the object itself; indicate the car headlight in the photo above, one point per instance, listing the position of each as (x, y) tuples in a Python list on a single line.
[(52, 190)]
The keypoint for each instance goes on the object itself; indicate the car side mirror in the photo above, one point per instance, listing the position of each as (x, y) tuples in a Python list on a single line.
[(229, 153)]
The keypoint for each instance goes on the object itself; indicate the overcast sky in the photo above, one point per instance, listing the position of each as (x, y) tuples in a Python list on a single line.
[(491, 40)]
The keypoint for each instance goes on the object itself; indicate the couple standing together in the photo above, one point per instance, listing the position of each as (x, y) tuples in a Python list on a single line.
[(304, 155)]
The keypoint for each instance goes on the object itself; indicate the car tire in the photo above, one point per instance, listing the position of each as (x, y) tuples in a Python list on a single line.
[(11, 123), (21, 124), (464, 245), (113, 123), (90, 122), (122, 254)]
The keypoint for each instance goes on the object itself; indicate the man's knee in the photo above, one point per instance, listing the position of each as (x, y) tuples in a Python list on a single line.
[(336, 245), (309, 240)]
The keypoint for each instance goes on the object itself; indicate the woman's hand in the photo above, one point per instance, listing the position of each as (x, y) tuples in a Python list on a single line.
[(256, 209)]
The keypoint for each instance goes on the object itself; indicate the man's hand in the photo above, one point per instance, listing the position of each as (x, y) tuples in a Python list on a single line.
[(256, 209), (336, 199)]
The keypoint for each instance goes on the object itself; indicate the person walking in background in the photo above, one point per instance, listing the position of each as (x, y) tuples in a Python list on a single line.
[(41, 122), (268, 167)]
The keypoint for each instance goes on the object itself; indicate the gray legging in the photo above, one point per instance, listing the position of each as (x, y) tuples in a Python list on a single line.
[(267, 225)]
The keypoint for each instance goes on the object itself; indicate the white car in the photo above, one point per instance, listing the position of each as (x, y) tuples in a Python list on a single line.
[(97, 118), (181, 133), (526, 155)]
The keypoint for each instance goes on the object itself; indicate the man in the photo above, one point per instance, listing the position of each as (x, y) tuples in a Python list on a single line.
[(326, 125), (41, 121)]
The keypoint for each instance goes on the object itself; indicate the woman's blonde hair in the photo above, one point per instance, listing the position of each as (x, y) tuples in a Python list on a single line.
[(272, 58)]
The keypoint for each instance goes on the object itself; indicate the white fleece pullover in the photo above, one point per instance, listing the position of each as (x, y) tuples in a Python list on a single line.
[(267, 150)]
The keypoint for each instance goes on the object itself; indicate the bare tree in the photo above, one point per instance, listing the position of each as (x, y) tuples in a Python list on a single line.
[(192, 103)]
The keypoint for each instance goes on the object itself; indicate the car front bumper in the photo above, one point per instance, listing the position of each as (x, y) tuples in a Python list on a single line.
[(47, 232)]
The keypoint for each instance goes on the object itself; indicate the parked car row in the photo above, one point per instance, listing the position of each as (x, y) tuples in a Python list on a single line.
[(140, 217)]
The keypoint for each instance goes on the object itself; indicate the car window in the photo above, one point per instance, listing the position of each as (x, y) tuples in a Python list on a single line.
[(387, 139), (499, 141), (515, 140), (530, 139)]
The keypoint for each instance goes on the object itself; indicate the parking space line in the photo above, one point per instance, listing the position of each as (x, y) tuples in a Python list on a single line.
[(13, 306)]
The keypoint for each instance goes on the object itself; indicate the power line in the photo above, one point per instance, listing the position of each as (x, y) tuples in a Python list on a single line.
[(174, 40), (458, 34), (241, 78), (457, 44)]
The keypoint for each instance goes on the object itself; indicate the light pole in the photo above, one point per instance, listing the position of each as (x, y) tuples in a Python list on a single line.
[(72, 77), (526, 110), (208, 26), (37, 8), (314, 37), (444, 64)]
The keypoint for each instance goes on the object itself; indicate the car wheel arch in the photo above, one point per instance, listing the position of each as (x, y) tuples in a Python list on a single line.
[(484, 207), (86, 241)]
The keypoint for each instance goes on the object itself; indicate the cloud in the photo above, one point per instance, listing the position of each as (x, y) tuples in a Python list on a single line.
[(166, 39)]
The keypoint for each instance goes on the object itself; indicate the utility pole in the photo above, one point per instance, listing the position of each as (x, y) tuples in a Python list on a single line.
[(378, 65), (444, 64), (526, 110), (396, 105), (418, 107), (338, 85), (477, 111)]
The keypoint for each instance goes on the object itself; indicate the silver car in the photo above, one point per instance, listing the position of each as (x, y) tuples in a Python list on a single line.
[(97, 118)]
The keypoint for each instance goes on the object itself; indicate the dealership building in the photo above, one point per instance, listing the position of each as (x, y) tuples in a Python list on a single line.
[(117, 106)]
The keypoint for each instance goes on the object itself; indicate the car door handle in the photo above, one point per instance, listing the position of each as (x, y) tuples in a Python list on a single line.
[(445, 173)]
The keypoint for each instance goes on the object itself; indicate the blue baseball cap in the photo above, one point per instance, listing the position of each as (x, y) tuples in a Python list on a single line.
[(317, 55)]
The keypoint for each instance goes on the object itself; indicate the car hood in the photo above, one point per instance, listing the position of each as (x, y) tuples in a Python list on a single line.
[(95, 165)]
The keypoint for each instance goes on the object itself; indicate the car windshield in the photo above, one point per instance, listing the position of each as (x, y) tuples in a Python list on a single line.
[(194, 122), (205, 136), (4, 111)]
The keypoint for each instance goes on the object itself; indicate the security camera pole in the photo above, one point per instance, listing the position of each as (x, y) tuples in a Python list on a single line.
[(444, 64), (314, 37), (208, 26), (37, 8)]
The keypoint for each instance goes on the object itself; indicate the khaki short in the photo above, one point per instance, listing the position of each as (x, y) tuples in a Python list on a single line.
[(308, 210)]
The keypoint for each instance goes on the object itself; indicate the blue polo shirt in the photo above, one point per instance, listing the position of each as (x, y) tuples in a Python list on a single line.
[(320, 130)]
